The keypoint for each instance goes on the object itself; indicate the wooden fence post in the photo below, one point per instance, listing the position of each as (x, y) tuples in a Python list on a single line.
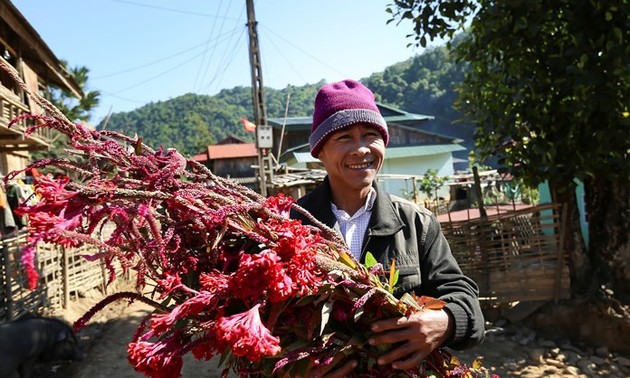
[(66, 284), (478, 192), (7, 281)]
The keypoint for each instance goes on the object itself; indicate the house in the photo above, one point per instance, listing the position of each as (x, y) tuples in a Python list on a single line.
[(22, 48), (410, 153), (232, 158)]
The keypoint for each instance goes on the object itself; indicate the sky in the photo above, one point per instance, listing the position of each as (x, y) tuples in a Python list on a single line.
[(143, 51)]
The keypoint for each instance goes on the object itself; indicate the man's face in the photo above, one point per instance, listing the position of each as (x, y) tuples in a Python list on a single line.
[(353, 156)]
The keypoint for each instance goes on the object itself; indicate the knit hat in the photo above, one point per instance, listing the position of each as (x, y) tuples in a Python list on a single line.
[(340, 105)]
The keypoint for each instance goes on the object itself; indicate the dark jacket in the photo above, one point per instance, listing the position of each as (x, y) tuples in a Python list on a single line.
[(402, 231)]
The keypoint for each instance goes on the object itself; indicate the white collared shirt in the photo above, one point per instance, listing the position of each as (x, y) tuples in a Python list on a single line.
[(353, 227)]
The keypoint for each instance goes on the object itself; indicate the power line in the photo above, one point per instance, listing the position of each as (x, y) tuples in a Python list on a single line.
[(225, 62), (203, 60), (287, 60), (159, 60), (172, 68), (303, 51), (168, 9)]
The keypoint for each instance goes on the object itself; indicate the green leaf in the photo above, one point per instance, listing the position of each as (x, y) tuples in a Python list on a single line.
[(370, 261)]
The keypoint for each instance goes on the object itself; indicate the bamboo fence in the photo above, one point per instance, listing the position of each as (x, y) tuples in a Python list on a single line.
[(64, 276), (515, 256)]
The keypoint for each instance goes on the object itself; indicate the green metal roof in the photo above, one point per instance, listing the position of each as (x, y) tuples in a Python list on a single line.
[(396, 152), (424, 150), (389, 113)]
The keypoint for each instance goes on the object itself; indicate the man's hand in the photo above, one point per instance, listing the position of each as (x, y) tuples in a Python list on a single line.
[(415, 336)]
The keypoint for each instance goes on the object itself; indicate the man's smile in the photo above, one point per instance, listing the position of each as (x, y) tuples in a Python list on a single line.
[(360, 165)]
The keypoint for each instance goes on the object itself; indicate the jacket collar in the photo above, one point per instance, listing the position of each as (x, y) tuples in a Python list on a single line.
[(385, 219)]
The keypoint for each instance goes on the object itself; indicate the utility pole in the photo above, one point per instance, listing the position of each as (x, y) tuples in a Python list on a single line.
[(263, 131)]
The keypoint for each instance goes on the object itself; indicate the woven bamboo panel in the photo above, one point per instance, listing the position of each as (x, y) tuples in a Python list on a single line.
[(512, 256), (63, 272)]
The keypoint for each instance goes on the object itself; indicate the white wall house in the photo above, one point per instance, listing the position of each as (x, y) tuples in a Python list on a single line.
[(415, 161)]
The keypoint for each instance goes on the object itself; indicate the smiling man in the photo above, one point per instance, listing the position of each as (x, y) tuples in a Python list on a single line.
[(349, 136)]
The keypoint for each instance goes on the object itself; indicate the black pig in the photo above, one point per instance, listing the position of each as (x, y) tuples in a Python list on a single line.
[(32, 339)]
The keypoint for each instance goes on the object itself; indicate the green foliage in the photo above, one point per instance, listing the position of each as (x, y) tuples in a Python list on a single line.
[(548, 83), (426, 84), (431, 182), (431, 19), (549, 86), (548, 92), (191, 122), (75, 109)]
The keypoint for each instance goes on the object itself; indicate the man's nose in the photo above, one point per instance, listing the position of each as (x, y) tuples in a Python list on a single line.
[(361, 147)]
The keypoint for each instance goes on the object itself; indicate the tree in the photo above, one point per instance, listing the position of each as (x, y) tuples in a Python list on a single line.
[(75, 109), (431, 183), (549, 88)]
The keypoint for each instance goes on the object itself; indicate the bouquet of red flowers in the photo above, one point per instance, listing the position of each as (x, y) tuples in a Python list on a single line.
[(231, 273)]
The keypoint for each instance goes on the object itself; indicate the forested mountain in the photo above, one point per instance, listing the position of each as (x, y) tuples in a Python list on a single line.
[(422, 84)]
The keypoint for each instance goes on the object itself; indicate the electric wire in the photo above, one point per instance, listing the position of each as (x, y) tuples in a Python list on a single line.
[(203, 60), (177, 54), (167, 9), (162, 73)]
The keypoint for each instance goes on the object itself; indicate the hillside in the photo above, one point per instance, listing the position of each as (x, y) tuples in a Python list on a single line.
[(423, 84)]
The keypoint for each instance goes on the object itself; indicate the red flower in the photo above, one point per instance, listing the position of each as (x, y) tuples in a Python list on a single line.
[(28, 260), (280, 204), (214, 282), (247, 336), (157, 360), (162, 323), (259, 274)]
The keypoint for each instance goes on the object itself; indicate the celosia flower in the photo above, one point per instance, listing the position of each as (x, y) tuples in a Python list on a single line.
[(192, 307), (258, 274), (247, 336), (161, 359), (28, 261), (280, 204)]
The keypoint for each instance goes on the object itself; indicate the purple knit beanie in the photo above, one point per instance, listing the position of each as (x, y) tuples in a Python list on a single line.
[(340, 105)]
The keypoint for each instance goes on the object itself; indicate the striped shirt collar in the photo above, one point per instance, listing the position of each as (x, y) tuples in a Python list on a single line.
[(353, 227)]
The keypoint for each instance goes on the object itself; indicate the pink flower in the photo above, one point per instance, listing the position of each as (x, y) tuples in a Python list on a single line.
[(258, 274), (53, 190), (280, 204), (247, 336), (157, 360), (28, 261), (162, 323), (214, 282)]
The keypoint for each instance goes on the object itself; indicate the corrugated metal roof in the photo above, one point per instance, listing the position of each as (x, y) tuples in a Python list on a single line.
[(226, 151), (424, 150), (304, 157), (390, 114), (396, 152)]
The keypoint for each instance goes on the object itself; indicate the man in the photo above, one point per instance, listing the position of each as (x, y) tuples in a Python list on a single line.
[(349, 137)]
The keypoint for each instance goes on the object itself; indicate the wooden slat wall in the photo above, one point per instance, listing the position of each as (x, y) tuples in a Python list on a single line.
[(514, 256), (64, 275)]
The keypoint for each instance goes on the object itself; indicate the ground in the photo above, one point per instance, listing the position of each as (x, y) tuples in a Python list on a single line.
[(510, 350)]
